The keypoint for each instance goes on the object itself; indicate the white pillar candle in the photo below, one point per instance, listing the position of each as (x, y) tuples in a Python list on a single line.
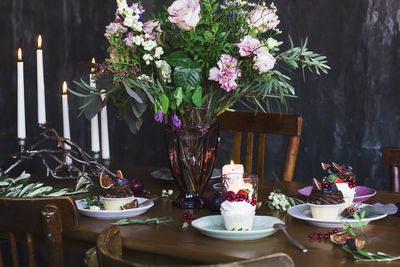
[(232, 175), (94, 122), (21, 133), (40, 84), (105, 147), (66, 129)]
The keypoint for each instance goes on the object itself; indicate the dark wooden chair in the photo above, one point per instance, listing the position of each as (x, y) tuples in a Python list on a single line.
[(391, 157), (263, 124), (109, 253), (42, 220)]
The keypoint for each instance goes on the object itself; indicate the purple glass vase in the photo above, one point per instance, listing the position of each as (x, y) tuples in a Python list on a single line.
[(192, 150)]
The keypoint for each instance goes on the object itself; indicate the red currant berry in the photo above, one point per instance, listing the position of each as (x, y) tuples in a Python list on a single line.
[(335, 231), (326, 236), (330, 233), (310, 235), (319, 236)]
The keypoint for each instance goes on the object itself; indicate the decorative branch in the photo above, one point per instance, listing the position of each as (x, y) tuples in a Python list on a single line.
[(53, 150)]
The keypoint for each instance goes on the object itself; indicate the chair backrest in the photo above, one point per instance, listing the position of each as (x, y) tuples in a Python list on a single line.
[(391, 157), (109, 253), (43, 217), (263, 124)]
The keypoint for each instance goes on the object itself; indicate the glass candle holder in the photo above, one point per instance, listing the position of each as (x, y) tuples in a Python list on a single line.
[(239, 181)]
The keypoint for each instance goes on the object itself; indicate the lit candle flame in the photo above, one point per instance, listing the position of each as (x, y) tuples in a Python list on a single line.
[(93, 62), (232, 165), (39, 41), (65, 87), (19, 54)]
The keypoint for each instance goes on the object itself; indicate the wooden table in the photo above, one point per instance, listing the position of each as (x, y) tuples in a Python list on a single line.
[(173, 245)]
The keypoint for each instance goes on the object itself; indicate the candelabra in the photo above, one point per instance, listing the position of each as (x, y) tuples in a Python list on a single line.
[(53, 150)]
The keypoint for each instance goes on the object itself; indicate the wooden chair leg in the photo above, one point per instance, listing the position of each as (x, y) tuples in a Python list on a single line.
[(13, 246), (249, 153), (31, 253), (52, 230), (236, 147), (1, 259), (394, 173), (261, 156), (291, 156)]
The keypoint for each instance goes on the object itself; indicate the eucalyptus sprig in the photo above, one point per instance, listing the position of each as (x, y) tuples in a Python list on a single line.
[(19, 187), (156, 220)]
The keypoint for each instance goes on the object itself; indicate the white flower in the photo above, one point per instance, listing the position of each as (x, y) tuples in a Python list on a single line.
[(137, 40), (147, 58), (158, 52), (149, 45), (94, 207), (146, 78), (263, 61), (165, 70)]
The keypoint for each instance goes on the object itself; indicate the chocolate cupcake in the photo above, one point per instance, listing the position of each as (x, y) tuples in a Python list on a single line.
[(115, 192), (325, 203)]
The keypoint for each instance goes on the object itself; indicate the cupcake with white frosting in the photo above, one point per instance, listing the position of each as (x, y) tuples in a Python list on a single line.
[(238, 211)]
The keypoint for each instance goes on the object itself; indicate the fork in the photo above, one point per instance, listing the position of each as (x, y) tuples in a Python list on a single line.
[(282, 227)]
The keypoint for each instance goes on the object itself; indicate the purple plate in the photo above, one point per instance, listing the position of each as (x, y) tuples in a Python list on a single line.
[(362, 192)]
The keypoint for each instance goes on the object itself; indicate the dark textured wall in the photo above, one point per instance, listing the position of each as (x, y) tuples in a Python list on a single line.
[(348, 115)]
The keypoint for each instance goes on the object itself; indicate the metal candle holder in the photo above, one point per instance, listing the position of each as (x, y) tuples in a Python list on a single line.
[(53, 150)]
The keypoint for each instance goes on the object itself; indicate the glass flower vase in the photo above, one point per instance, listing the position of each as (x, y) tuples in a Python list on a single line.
[(192, 149)]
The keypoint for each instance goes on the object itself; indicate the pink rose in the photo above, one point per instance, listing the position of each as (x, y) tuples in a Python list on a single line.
[(263, 61), (226, 73), (263, 18), (185, 14), (247, 45)]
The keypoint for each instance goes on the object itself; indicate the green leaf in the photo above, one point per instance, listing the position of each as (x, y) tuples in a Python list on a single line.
[(177, 58), (130, 120), (178, 94), (187, 75), (93, 107), (132, 93), (164, 103), (196, 98)]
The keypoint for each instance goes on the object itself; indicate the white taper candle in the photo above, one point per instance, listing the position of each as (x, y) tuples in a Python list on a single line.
[(65, 111), (94, 122), (40, 84), (105, 147), (21, 130)]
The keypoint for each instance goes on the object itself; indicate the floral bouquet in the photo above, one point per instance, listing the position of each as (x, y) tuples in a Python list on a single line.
[(197, 53)]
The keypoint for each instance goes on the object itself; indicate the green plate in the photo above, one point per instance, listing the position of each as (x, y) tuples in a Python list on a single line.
[(213, 226)]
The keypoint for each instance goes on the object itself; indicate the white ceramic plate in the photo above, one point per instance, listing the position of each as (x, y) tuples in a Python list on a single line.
[(165, 174), (113, 214), (213, 226), (303, 212)]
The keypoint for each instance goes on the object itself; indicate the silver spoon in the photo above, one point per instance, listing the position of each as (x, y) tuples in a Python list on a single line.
[(282, 227)]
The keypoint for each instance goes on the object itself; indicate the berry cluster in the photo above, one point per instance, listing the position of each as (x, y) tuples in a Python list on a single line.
[(188, 216), (323, 236), (336, 173), (241, 195)]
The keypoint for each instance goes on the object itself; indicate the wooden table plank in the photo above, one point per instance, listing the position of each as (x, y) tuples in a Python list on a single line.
[(188, 245)]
